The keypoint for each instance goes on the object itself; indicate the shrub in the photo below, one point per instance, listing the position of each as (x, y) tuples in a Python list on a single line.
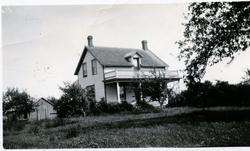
[(93, 108), (144, 106), (177, 101), (125, 106), (220, 94), (103, 106), (110, 108)]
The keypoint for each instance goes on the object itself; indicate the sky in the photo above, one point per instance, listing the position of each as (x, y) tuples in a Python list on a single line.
[(41, 45)]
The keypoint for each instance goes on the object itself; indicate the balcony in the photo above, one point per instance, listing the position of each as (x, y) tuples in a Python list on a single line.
[(143, 73)]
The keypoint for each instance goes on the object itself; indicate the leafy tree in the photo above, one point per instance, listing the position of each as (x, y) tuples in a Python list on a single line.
[(20, 103), (73, 101), (213, 31), (52, 99), (155, 86), (246, 78)]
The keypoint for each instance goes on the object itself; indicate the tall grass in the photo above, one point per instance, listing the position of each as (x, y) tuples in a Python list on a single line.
[(147, 130)]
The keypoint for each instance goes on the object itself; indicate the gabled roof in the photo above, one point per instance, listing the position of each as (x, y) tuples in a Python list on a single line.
[(43, 99), (115, 57)]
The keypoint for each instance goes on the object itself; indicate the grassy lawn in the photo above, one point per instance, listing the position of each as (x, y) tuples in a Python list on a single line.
[(192, 129)]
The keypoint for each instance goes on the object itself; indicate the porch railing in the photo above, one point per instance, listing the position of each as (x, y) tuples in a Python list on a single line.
[(130, 74)]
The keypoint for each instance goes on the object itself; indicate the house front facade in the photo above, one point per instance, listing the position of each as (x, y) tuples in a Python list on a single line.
[(112, 72)]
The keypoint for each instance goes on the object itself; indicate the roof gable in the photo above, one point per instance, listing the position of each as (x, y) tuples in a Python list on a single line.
[(80, 61), (43, 99), (132, 54)]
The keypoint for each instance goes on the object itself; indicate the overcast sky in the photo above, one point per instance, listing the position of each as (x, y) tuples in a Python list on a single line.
[(42, 44)]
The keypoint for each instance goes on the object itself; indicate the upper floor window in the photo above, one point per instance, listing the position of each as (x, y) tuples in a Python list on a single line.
[(84, 69), (94, 66), (136, 63)]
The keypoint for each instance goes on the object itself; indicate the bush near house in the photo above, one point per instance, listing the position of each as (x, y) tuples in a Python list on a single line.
[(102, 107), (76, 101), (206, 95), (73, 101), (143, 106)]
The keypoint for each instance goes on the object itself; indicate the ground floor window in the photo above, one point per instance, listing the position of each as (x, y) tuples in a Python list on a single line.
[(91, 92)]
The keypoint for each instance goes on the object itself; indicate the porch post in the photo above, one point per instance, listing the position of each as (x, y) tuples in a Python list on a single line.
[(141, 95), (118, 92), (179, 89)]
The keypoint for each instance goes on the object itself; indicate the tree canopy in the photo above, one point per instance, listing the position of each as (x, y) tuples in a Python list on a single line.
[(155, 86), (20, 103), (246, 78), (72, 102), (213, 31)]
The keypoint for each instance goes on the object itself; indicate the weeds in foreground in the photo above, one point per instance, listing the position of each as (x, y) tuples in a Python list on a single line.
[(34, 129), (14, 125), (73, 131), (190, 130)]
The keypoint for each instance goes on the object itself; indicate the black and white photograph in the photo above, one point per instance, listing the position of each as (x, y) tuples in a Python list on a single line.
[(126, 75)]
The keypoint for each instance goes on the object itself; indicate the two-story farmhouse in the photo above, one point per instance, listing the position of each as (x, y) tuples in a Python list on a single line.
[(111, 72)]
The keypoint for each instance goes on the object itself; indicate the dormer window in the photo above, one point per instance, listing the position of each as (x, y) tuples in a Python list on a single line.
[(134, 58), (136, 62)]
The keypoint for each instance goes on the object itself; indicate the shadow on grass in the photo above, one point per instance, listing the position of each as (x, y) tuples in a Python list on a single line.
[(189, 118)]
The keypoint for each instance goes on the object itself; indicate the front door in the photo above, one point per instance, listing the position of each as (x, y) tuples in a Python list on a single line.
[(123, 93)]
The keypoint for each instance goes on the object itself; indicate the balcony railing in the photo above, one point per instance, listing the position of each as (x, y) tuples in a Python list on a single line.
[(130, 74)]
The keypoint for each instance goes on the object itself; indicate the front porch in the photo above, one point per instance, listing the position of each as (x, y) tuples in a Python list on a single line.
[(120, 91), (120, 82)]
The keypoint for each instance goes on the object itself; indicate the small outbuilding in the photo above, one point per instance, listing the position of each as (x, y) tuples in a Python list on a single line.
[(44, 110)]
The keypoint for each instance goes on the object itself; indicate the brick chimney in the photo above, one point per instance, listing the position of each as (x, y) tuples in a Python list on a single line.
[(90, 41), (144, 44)]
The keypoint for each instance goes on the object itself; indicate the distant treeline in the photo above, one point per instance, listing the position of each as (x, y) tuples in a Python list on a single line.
[(207, 94)]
